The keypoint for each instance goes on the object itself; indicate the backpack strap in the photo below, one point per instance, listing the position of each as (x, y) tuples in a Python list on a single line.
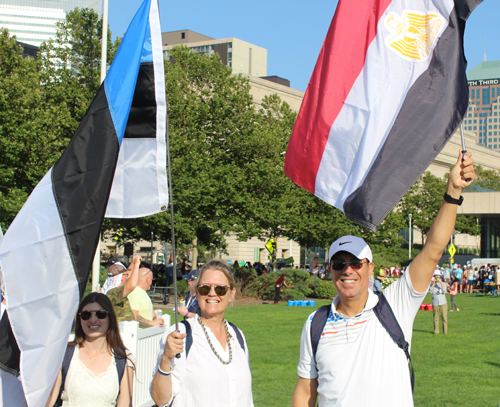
[(386, 316), (317, 325), (189, 336), (68, 355), (238, 335)]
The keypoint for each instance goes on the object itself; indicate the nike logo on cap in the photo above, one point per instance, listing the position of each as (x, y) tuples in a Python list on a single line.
[(340, 244)]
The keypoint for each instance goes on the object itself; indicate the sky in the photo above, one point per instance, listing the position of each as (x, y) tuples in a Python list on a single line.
[(292, 31)]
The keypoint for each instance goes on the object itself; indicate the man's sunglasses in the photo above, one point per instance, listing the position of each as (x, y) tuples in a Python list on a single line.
[(341, 265), (220, 290), (101, 314)]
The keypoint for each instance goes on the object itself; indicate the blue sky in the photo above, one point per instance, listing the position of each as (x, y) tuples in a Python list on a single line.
[(291, 31)]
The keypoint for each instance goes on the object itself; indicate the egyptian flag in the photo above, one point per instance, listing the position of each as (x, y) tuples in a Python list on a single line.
[(118, 154), (388, 91)]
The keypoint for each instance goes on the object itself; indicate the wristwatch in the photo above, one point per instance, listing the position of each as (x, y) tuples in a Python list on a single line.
[(451, 200)]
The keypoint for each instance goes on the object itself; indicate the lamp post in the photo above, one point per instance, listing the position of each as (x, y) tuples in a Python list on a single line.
[(409, 237)]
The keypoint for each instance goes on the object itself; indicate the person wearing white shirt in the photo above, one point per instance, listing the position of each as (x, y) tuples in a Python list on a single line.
[(216, 372)]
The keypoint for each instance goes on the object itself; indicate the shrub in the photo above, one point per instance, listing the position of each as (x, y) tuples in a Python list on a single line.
[(182, 288), (325, 289), (301, 283), (244, 277)]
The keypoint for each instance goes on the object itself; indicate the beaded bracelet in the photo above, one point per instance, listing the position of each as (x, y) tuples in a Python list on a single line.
[(164, 373)]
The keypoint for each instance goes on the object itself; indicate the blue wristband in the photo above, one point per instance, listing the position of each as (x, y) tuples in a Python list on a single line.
[(164, 373)]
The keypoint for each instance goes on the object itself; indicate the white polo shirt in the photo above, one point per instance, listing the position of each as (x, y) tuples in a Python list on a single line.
[(358, 364)]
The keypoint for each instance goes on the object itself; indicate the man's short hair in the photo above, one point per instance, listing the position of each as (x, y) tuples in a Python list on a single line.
[(351, 244)]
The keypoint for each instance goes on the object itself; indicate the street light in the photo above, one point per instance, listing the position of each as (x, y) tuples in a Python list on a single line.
[(409, 237)]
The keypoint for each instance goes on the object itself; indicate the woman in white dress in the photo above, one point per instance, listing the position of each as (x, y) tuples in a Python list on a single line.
[(98, 359), (216, 371)]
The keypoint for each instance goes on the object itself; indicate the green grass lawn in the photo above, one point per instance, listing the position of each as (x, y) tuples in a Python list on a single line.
[(459, 369)]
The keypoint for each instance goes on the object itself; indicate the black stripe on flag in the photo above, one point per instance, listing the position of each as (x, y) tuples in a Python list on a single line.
[(9, 350), (142, 119), (81, 181), (432, 110)]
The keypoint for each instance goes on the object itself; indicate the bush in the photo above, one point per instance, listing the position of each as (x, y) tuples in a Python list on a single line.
[(325, 289), (301, 283), (182, 288), (244, 277)]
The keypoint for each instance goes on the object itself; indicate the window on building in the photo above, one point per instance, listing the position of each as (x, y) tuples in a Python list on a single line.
[(495, 120), (472, 94), (493, 93), (475, 120), (475, 127), (490, 140), (183, 35), (475, 114), (495, 147), (486, 96)]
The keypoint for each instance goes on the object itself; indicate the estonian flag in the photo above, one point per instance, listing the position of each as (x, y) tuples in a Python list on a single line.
[(114, 164), (388, 91)]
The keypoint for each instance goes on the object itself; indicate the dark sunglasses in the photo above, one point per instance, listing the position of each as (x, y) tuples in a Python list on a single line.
[(341, 265), (220, 290), (101, 314)]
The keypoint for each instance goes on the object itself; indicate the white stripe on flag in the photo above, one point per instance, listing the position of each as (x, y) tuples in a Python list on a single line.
[(369, 111), (49, 299)]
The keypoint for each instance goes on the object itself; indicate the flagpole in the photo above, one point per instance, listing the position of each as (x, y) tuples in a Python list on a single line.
[(171, 204), (463, 142), (96, 265)]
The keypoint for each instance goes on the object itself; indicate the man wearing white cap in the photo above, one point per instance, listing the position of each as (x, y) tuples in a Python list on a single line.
[(355, 354)]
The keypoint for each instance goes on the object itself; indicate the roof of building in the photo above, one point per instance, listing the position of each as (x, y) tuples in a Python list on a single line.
[(485, 70)]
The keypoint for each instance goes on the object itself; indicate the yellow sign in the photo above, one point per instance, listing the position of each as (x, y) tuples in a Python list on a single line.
[(452, 250), (451, 260), (415, 33), (269, 246)]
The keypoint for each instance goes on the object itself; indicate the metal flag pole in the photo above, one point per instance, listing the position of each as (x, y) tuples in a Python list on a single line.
[(463, 143), (96, 264)]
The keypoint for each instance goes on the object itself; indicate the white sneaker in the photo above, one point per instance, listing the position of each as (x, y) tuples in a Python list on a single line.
[(458, 309)]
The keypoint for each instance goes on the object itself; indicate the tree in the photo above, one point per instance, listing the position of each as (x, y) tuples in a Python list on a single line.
[(32, 128), (423, 201), (211, 120)]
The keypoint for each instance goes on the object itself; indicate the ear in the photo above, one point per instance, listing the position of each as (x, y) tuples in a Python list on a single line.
[(232, 294), (371, 267)]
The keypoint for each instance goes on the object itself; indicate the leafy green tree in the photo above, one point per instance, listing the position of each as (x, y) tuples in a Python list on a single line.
[(72, 61), (211, 121), (423, 201), (32, 128)]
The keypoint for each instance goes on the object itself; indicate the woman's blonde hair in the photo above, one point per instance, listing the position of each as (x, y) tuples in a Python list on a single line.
[(222, 267)]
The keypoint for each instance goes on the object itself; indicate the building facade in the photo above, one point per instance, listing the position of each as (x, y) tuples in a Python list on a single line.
[(241, 56), (34, 21), (483, 115)]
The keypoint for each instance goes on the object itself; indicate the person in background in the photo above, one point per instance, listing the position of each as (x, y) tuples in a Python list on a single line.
[(192, 308), (278, 286), (141, 304), (118, 295), (439, 304), (379, 278), (453, 288)]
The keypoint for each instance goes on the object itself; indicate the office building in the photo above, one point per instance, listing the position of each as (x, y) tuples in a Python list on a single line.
[(483, 115), (34, 21), (241, 56)]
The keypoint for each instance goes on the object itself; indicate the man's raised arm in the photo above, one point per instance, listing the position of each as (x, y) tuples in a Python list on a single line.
[(133, 278), (422, 267)]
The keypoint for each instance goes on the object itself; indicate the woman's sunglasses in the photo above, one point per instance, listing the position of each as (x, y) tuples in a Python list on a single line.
[(101, 314), (341, 265), (220, 290)]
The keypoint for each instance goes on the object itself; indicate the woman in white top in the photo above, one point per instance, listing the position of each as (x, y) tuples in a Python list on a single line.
[(216, 371), (92, 377)]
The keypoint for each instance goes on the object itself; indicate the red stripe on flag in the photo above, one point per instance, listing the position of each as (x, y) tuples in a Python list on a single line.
[(342, 57)]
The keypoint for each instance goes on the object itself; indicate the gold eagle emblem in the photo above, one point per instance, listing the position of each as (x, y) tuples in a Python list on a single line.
[(415, 33)]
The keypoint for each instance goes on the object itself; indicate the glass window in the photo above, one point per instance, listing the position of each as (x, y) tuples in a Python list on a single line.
[(475, 114), (475, 127), (490, 140), (475, 120), (492, 92), (486, 96), (473, 93)]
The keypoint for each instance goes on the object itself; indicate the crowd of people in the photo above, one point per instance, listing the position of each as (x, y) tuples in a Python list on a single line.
[(361, 337)]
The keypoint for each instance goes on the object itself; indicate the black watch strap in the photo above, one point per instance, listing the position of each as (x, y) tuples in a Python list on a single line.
[(451, 200)]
